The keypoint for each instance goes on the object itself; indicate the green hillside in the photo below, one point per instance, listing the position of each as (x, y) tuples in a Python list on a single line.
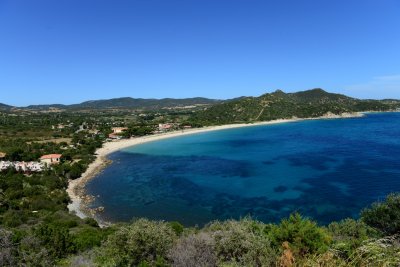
[(281, 105)]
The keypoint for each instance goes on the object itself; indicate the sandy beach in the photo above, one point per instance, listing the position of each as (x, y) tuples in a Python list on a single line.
[(76, 188)]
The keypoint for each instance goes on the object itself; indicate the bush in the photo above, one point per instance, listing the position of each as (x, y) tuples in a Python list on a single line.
[(13, 218), (143, 240), (33, 253), (194, 250), (7, 249), (87, 238), (380, 252), (384, 216), (241, 242), (56, 239), (177, 227), (304, 236), (349, 234), (92, 222)]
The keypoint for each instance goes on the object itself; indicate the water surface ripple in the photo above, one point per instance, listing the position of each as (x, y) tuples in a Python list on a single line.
[(324, 169)]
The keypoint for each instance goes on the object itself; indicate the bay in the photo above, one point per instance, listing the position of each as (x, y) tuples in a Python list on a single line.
[(325, 169)]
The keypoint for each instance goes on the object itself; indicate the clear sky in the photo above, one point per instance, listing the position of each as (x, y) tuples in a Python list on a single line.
[(68, 51)]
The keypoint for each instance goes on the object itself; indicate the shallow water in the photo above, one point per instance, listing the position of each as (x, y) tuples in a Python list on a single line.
[(324, 169)]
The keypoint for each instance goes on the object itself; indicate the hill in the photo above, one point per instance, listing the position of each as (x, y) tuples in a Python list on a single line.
[(140, 103), (128, 103), (281, 105), (5, 107)]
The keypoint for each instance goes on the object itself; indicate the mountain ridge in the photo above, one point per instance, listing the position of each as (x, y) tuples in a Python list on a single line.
[(268, 101), (280, 105)]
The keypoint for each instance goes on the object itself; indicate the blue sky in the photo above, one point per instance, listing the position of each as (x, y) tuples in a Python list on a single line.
[(68, 51)]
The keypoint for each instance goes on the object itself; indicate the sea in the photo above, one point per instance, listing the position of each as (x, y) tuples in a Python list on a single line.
[(326, 169)]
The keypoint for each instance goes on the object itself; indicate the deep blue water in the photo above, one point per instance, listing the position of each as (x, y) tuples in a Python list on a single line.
[(324, 169)]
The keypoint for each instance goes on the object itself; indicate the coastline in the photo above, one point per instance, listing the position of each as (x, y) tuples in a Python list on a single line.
[(76, 188)]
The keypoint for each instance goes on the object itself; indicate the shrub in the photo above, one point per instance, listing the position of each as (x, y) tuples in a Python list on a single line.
[(194, 250), (7, 249), (13, 218), (380, 252), (33, 253), (92, 222), (56, 239), (327, 259), (304, 236), (241, 242), (177, 227), (87, 238), (349, 234), (384, 216), (140, 241)]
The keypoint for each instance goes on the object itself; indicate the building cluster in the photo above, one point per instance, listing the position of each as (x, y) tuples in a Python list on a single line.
[(22, 166), (31, 166)]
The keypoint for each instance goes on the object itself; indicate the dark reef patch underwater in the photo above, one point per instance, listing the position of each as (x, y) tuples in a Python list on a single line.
[(324, 169)]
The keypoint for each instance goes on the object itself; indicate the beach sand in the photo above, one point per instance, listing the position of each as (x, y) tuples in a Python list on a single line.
[(76, 188)]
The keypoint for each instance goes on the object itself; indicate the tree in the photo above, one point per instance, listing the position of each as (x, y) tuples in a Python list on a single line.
[(384, 216)]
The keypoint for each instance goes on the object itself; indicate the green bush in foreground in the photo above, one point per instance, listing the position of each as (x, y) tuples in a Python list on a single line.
[(349, 234), (137, 243), (304, 236), (241, 243), (384, 216)]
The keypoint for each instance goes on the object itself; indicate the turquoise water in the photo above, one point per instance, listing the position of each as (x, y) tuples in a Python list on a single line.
[(324, 169)]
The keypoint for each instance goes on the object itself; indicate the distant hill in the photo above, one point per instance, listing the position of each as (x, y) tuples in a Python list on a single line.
[(281, 105), (128, 103), (40, 107), (5, 107), (140, 103), (276, 105)]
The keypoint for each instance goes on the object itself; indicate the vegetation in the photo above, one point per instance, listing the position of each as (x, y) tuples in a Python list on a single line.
[(384, 216), (36, 228), (279, 105)]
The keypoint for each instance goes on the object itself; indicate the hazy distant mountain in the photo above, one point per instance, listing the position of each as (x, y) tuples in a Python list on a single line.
[(310, 103), (127, 103), (140, 103), (57, 106), (5, 107), (279, 105)]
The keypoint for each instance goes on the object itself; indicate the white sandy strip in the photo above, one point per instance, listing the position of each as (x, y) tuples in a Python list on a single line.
[(76, 197)]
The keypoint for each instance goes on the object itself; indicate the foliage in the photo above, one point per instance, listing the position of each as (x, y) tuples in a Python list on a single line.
[(194, 250), (349, 234), (279, 105), (177, 227), (142, 240), (241, 242), (304, 236), (7, 248), (379, 252), (36, 228), (384, 216)]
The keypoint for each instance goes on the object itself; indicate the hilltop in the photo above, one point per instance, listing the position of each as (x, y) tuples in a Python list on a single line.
[(281, 105), (4, 106), (122, 103)]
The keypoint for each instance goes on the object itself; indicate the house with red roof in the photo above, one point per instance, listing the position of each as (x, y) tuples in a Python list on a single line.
[(51, 159)]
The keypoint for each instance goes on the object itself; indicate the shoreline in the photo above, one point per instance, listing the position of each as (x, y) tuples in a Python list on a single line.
[(76, 188)]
